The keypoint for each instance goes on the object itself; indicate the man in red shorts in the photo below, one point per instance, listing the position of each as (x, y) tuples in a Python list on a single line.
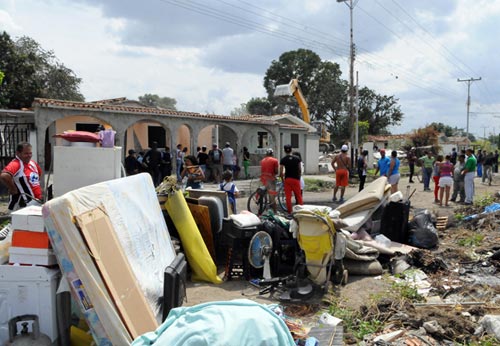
[(268, 170), (341, 165), (22, 178)]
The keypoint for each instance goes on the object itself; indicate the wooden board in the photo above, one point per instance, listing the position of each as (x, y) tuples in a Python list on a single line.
[(113, 265), (201, 216)]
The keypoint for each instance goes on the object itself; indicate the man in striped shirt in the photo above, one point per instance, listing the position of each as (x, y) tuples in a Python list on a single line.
[(22, 178)]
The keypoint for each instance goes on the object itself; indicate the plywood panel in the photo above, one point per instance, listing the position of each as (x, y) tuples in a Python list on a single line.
[(115, 270), (201, 216)]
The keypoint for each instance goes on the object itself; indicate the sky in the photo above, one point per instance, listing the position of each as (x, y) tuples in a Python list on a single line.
[(212, 55)]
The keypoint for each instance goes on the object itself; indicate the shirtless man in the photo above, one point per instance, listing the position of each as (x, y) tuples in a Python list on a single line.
[(341, 165)]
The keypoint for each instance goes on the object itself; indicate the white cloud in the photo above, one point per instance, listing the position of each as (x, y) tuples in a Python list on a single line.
[(212, 65)]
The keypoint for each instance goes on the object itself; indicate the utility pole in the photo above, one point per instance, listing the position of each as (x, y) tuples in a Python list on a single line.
[(468, 81), (357, 114), (351, 74), (484, 131)]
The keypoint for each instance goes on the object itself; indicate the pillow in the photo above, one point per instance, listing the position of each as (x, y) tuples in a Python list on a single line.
[(79, 136)]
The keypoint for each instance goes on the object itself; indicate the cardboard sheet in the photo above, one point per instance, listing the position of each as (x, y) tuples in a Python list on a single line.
[(115, 270)]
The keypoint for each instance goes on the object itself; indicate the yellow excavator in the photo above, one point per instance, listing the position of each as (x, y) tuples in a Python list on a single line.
[(293, 89)]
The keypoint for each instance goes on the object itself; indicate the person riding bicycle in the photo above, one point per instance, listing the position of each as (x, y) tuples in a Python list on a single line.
[(268, 171)]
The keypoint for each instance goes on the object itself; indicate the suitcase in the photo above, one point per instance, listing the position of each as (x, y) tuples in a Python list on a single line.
[(174, 285), (394, 222)]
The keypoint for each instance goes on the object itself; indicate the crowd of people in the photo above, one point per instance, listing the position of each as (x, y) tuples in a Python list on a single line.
[(453, 174)]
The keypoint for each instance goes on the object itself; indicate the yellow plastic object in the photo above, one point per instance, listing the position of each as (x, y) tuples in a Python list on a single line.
[(196, 251), (79, 337)]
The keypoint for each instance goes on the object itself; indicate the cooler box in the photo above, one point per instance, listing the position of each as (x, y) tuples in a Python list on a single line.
[(28, 219), (37, 240), (32, 256), (28, 290)]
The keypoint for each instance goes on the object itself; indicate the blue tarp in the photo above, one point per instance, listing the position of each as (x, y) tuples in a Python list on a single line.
[(488, 209)]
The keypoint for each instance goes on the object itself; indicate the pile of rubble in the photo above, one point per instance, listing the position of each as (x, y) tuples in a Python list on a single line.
[(458, 288)]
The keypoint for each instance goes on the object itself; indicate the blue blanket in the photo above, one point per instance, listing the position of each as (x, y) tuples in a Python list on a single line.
[(226, 323)]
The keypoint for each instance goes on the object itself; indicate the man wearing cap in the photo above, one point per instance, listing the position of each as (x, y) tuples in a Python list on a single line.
[(290, 173), (341, 165), (215, 163), (227, 157), (132, 166), (469, 172), (383, 164), (268, 170)]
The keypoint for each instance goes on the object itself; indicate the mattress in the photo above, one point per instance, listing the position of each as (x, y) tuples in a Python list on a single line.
[(132, 206), (369, 197)]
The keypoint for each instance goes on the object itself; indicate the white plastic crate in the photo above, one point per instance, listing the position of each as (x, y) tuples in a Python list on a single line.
[(28, 290)]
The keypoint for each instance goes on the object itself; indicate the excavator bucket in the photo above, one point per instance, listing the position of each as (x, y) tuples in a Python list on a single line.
[(283, 90)]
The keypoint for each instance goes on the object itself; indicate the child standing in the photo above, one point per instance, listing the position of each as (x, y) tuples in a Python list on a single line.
[(230, 188)]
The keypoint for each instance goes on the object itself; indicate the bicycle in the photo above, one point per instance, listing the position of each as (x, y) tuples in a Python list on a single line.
[(259, 200)]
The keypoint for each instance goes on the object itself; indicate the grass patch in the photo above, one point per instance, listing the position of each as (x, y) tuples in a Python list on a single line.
[(317, 185), (472, 241), (484, 201)]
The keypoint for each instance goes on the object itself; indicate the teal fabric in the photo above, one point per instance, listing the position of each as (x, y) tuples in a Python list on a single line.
[(238, 322)]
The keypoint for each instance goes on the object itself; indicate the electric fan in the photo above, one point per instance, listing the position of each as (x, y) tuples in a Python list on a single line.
[(259, 252)]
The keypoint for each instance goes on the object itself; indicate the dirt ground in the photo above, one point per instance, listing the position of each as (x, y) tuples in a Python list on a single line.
[(359, 290)]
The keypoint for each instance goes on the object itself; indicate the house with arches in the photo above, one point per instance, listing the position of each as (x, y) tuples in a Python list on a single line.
[(137, 126)]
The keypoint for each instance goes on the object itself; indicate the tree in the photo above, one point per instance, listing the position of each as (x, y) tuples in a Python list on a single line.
[(380, 111), (1, 77), (424, 137), (320, 83), (260, 106), (242, 110), (326, 94), (153, 100), (30, 71), (440, 127)]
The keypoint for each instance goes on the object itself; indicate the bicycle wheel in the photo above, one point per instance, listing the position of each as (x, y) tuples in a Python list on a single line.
[(257, 202), (282, 198)]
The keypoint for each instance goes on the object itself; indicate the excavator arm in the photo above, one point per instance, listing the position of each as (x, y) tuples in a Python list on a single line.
[(293, 89)]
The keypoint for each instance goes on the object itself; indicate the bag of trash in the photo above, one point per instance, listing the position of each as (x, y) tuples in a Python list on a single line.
[(421, 231)]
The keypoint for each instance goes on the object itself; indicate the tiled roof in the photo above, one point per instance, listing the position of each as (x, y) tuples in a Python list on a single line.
[(386, 137), (51, 103)]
